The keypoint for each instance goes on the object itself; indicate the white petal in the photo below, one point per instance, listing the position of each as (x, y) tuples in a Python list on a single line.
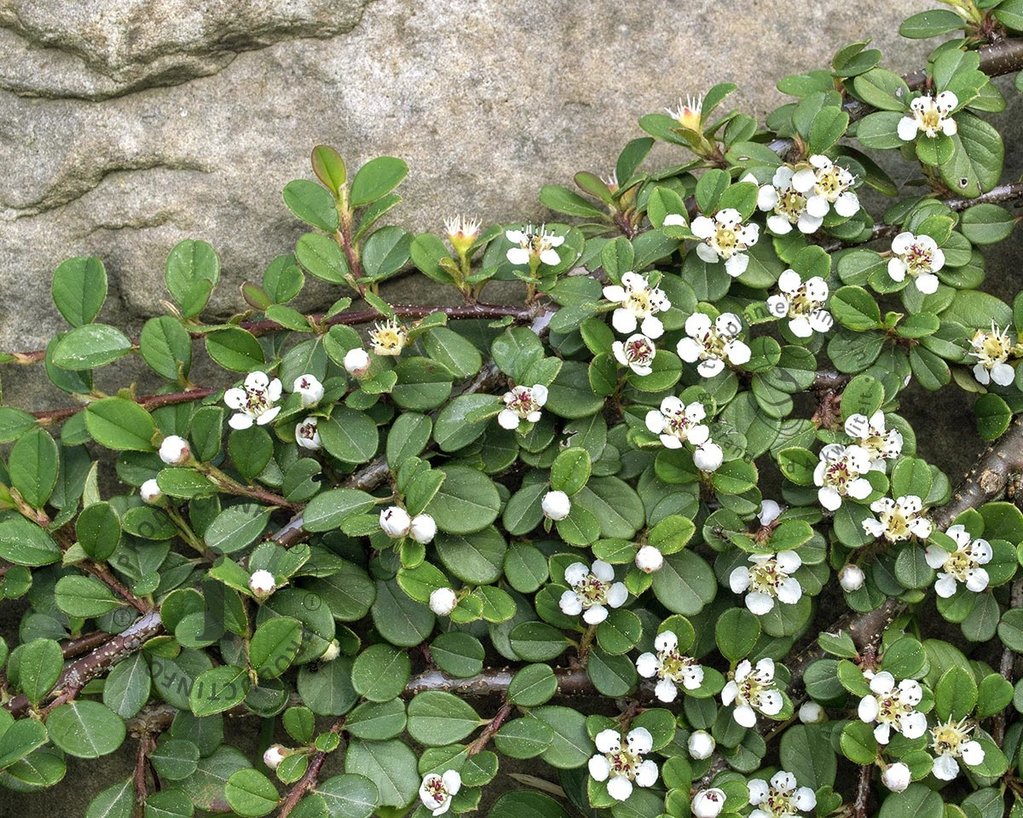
[(599, 768), (1003, 374), (689, 350), (614, 293), (507, 419), (804, 180), (868, 709), (571, 603), (790, 591), (595, 615), (646, 665), (617, 595), (666, 640), (927, 283), (737, 264), (608, 741), (240, 421), (945, 768), (789, 281), (745, 716), (640, 741), (624, 321), (576, 573), (702, 227), (707, 254), (518, 255), (619, 788), (759, 603), (728, 693), (771, 702), (847, 204), (902, 242), (646, 774), (897, 269), (739, 579), (550, 257), (907, 129), (973, 753), (945, 586), (603, 571), (882, 683), (666, 691), (779, 225), (235, 398)]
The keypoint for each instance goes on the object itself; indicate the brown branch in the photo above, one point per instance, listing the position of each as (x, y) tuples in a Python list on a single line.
[(495, 724), (312, 774), (1007, 666), (863, 792), (83, 644), (48, 417), (350, 318), (146, 746), (80, 672)]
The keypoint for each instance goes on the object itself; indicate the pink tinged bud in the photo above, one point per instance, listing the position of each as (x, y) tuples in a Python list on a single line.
[(357, 362), (174, 450), (274, 755), (649, 559), (150, 492), (443, 601), (262, 583), (395, 522)]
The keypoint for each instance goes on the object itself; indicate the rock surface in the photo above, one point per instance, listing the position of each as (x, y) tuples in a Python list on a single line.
[(128, 125)]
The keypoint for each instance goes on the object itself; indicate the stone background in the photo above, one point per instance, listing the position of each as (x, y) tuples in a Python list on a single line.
[(128, 125)]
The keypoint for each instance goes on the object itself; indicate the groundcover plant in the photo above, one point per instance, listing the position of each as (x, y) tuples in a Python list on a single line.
[(653, 541)]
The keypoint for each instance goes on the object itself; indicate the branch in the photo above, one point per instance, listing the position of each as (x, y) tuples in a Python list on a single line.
[(495, 724), (350, 318), (1007, 667), (80, 672), (308, 781), (49, 417), (863, 792)]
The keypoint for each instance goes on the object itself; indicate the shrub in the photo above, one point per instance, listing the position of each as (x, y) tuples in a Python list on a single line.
[(660, 526)]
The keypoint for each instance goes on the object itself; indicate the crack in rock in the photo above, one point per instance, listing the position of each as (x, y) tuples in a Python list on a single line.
[(100, 49)]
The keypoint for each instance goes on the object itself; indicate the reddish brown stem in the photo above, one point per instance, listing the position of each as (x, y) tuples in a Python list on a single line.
[(495, 724), (48, 417), (863, 792), (146, 746)]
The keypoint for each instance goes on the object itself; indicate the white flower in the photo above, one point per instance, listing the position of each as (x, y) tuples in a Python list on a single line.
[(832, 183), (174, 450), (671, 667), (688, 114), (636, 352), (150, 492), (892, 708), (436, 791), (534, 243), (851, 578), (708, 803), (274, 755), (713, 343), (899, 519), (840, 474), (708, 457), (781, 798), (951, 741), (395, 522), (916, 256), (930, 115), (357, 362), (332, 652), (262, 583), (522, 403), (307, 435), (621, 766), (811, 713), (767, 579), (896, 777), (964, 565), (443, 601), (254, 403), (388, 338), (676, 423), (701, 745), (802, 303), (639, 305), (649, 559), (787, 198), (556, 505), (871, 435), (423, 528), (992, 351), (593, 591), (462, 232), (309, 389), (752, 691), (725, 238)]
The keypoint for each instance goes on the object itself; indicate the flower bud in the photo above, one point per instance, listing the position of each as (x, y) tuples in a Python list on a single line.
[(443, 601), (357, 362), (708, 803), (150, 491), (332, 652), (423, 529), (262, 583), (701, 744), (274, 755), (395, 522), (811, 713), (851, 577), (708, 457), (556, 505), (309, 389), (649, 559), (896, 777), (174, 450)]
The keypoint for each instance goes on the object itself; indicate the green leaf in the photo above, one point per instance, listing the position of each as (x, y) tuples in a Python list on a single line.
[(329, 167), (855, 309), (99, 530), (918, 801), (350, 436), (79, 289), (193, 270), (33, 467), (274, 646), (806, 752), (322, 257), (90, 346), (235, 349), (532, 685), (930, 23), (436, 718), (127, 686), (84, 596), (467, 501), (381, 672), (571, 470), (167, 347), (250, 793), (218, 689), (120, 424), (37, 666), (85, 729), (955, 695), (376, 179), (353, 796), (385, 252), (390, 765), (25, 543), (736, 633), (312, 204)]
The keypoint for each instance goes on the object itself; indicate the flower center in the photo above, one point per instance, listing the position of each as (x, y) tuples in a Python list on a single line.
[(959, 564), (591, 591), (830, 183), (674, 664), (726, 241), (991, 348), (638, 302), (624, 763), (779, 803), (522, 401), (767, 577), (679, 424), (638, 351), (890, 709), (949, 738), (791, 204), (839, 475), (256, 401), (918, 259), (800, 303)]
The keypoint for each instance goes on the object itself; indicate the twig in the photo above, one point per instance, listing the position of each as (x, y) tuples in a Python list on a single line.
[(146, 745), (1007, 667), (863, 792), (308, 781), (495, 724), (80, 672), (49, 417)]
